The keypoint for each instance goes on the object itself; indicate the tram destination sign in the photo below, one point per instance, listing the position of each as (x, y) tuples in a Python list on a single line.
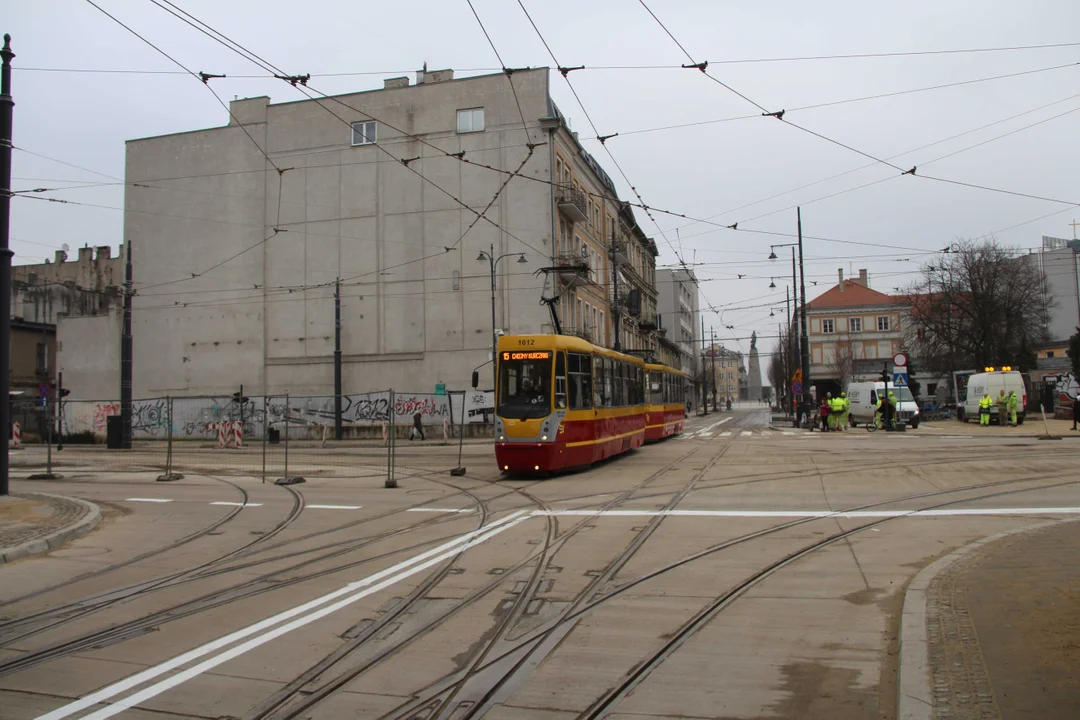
[(528, 355)]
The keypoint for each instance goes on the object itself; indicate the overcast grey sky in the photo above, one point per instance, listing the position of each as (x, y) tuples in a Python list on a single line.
[(84, 118)]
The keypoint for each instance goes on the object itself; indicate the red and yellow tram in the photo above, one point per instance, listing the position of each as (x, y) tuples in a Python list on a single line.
[(562, 402), (665, 411)]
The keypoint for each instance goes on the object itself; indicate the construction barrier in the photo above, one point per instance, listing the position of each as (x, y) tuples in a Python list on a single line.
[(16, 435), (222, 435), (446, 430), (238, 434), (385, 432)]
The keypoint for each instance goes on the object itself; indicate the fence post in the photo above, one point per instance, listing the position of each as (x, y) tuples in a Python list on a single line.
[(48, 474), (460, 469), (265, 432), (391, 480), (288, 479)]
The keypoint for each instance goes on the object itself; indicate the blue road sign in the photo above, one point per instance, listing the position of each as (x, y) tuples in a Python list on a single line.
[(44, 390), (796, 388), (900, 379)]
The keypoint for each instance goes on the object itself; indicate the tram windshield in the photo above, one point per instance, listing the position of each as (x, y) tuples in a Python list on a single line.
[(525, 384)]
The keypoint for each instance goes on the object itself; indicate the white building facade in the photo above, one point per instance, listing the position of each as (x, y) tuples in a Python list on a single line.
[(237, 252)]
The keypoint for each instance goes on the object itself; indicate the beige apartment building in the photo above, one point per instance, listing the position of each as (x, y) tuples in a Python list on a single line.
[(853, 329)]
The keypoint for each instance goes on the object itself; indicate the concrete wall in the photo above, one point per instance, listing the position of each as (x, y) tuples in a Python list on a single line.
[(412, 313), (88, 353)]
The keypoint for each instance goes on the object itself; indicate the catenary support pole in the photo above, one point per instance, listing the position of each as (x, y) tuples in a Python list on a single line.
[(7, 104), (804, 342), (616, 305), (126, 359), (337, 360), (704, 374)]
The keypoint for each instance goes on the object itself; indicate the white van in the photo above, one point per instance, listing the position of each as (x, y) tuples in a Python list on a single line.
[(993, 383), (864, 399)]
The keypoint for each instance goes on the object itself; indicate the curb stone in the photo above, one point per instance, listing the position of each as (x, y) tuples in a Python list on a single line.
[(55, 539), (915, 701)]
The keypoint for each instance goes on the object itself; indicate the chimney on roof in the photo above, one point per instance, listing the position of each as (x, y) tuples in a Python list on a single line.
[(841, 272), (86, 254), (61, 256), (394, 83), (863, 280), (104, 252)]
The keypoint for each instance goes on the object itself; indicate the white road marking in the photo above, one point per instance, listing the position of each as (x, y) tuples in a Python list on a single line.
[(788, 433), (334, 507), (371, 584), (819, 513), (746, 433), (725, 433), (442, 510), (157, 500), (708, 435), (236, 504)]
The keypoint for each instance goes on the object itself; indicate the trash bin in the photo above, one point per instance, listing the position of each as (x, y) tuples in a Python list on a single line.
[(273, 436), (114, 432)]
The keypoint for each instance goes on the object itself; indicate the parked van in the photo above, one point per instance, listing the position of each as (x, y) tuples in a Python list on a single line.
[(864, 399), (993, 383)]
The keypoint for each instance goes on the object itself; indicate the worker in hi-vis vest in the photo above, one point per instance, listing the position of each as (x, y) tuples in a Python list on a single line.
[(1002, 407), (1014, 406), (845, 420), (984, 409)]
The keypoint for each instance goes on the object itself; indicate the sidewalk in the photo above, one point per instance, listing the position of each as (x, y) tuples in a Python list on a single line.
[(36, 523), (1002, 629)]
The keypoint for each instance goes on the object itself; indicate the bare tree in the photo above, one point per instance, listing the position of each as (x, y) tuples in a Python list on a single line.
[(782, 364), (980, 305), (844, 361)]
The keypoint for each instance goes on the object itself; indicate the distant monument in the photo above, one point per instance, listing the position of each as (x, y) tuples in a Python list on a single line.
[(753, 381)]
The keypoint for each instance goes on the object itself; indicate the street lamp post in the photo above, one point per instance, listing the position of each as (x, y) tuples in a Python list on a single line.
[(494, 264), (802, 347)]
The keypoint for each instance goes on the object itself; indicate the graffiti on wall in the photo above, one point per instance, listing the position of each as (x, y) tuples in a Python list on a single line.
[(1065, 385), (199, 418)]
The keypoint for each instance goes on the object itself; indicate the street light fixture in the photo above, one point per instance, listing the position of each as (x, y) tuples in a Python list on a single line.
[(494, 264), (772, 283), (804, 340)]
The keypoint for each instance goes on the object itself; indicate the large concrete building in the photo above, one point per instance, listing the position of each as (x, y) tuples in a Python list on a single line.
[(677, 307), (239, 233), (1059, 260)]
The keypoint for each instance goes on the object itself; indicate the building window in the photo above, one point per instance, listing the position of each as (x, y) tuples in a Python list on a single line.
[(855, 324), (558, 170), (471, 120), (603, 331), (1049, 353), (42, 366), (883, 323), (457, 279), (827, 326), (364, 133)]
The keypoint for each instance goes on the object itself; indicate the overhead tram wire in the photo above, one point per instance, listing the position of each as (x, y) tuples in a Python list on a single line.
[(779, 115), (243, 52), (565, 72), (892, 157), (732, 61), (507, 71), (300, 83)]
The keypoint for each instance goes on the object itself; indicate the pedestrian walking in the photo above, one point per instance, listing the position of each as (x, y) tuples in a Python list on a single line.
[(985, 403), (1014, 406), (417, 427), (1076, 409), (823, 412)]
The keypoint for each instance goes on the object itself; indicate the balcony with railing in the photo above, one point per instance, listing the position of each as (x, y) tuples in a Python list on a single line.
[(573, 269), (622, 253), (571, 202), (584, 332), (647, 322)]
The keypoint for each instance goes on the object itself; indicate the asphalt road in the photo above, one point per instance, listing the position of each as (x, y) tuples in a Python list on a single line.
[(737, 571)]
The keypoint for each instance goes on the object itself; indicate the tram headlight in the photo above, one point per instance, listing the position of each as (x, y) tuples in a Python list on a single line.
[(543, 437), (536, 467)]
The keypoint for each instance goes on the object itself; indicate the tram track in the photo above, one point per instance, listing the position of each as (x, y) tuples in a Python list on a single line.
[(554, 541), (533, 647)]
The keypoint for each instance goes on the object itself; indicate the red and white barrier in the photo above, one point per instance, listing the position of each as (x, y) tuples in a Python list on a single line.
[(446, 430), (16, 435), (385, 432), (238, 435), (222, 435)]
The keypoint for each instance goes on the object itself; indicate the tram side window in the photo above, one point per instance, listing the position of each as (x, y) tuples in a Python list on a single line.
[(617, 385), (655, 388), (639, 386), (560, 380), (580, 381), (609, 383), (600, 382)]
